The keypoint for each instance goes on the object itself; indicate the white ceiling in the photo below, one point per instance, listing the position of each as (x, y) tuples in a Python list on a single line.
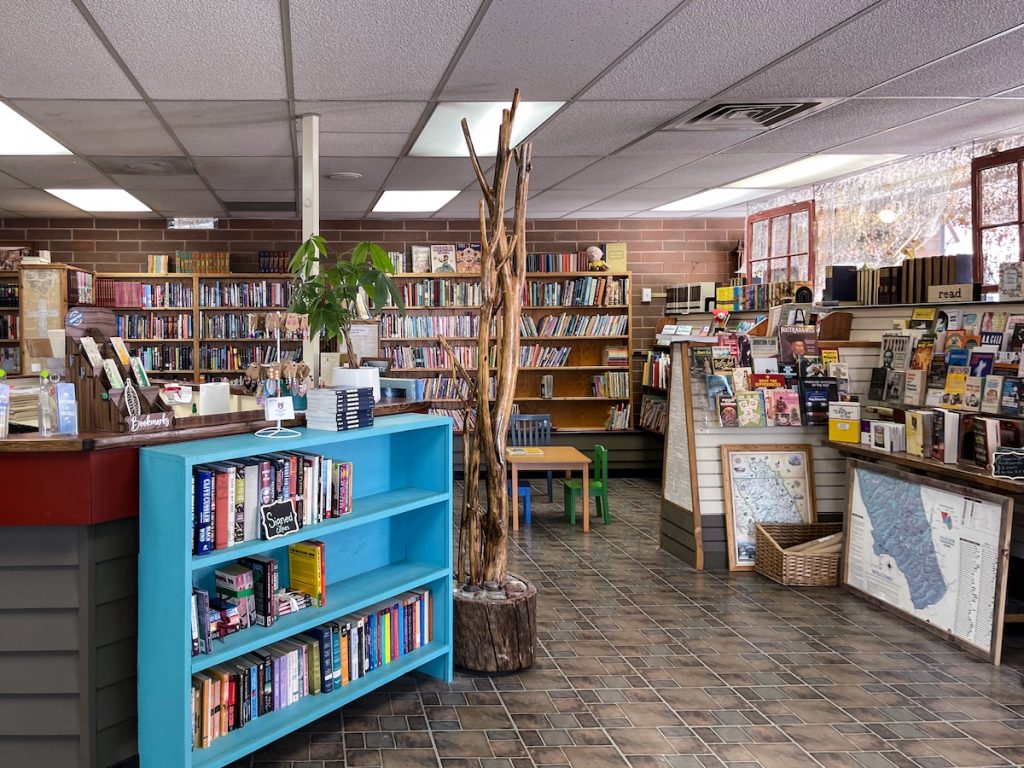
[(210, 91)]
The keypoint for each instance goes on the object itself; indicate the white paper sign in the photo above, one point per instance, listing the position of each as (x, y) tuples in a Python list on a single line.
[(280, 408)]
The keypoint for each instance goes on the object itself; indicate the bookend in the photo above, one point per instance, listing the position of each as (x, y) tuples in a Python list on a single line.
[(102, 408)]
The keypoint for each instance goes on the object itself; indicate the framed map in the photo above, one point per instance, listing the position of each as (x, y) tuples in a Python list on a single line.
[(763, 484), (933, 551)]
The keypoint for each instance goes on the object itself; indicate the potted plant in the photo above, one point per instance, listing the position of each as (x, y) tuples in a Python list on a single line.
[(494, 612), (332, 296)]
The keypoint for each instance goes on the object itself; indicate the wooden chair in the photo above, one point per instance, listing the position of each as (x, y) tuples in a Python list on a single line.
[(532, 430), (598, 487)]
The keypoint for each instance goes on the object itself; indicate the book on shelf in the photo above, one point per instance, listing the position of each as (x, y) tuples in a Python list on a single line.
[(815, 395), (467, 258), (442, 258), (795, 341), (274, 262), (728, 410), (844, 422), (420, 258), (919, 426), (618, 417), (654, 414), (750, 409), (306, 569), (945, 446)]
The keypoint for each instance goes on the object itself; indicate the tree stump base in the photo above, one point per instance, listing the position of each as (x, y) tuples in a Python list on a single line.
[(495, 635)]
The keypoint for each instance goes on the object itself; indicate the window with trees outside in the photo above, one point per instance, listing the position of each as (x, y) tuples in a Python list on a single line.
[(780, 244), (996, 210)]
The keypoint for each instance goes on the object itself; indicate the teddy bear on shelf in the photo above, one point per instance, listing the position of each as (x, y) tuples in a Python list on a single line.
[(597, 262)]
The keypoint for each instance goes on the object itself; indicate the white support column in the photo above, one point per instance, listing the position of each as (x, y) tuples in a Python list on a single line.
[(311, 213)]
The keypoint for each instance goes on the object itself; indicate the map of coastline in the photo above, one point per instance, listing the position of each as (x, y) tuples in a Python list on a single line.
[(901, 530), (766, 489)]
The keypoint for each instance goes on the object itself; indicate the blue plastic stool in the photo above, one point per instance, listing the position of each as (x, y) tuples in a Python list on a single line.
[(524, 491)]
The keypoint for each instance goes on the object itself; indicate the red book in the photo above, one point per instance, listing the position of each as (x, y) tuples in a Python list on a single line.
[(767, 380)]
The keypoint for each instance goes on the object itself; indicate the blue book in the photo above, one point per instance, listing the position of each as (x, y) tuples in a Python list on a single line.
[(203, 515), (336, 651), (322, 636)]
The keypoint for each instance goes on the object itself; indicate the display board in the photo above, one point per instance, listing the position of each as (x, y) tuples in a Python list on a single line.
[(678, 487), (934, 551), (764, 484)]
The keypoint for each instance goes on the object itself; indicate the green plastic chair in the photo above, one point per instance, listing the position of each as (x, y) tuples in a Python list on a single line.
[(598, 487)]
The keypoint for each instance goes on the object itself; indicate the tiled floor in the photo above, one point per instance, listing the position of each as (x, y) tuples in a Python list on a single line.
[(645, 662)]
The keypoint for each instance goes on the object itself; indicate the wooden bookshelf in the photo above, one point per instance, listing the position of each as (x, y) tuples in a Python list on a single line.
[(10, 354), (397, 537), (574, 405)]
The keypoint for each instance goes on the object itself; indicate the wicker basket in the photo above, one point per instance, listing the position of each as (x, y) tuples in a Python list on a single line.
[(796, 569)]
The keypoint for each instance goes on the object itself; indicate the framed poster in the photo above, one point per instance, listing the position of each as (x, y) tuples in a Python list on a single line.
[(930, 550), (763, 484)]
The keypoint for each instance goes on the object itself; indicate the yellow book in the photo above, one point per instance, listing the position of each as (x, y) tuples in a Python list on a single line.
[(844, 422), (387, 637), (305, 568), (615, 256)]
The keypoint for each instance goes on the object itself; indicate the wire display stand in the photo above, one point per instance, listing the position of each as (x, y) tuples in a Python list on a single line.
[(278, 432)]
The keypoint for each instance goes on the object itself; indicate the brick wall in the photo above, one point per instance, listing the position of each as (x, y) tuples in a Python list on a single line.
[(661, 251)]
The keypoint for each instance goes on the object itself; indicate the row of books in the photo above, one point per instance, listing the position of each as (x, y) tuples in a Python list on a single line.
[(577, 292), (162, 326), (8, 294), (574, 325), (158, 263), (8, 326), (135, 294), (755, 297), (229, 497), (441, 293), (253, 293), (611, 384), (541, 356), (459, 418), (908, 282), (251, 325), (618, 417), (431, 357), (615, 357), (339, 408), (557, 262), (202, 261), (81, 287), (273, 262), (779, 407), (237, 358), (420, 326), (656, 370), (317, 662), (654, 414), (161, 357), (463, 258), (446, 388)]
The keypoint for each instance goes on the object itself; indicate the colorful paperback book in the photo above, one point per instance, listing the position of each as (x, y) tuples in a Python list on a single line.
[(750, 409), (991, 394), (981, 362), (895, 351), (810, 367), (923, 318), (442, 258), (741, 379), (717, 385), (1010, 403), (876, 386), (785, 407), (728, 412), (467, 258), (923, 351), (767, 381), (958, 356), (796, 341), (956, 381), (92, 351), (956, 338), (993, 339), (828, 355), (972, 393), (914, 387), (120, 349), (815, 395)]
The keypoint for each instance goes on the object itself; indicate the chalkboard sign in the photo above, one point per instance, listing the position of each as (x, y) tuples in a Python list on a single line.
[(278, 518), (1008, 463)]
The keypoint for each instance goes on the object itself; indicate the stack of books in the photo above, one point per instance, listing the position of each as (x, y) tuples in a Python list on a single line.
[(336, 408)]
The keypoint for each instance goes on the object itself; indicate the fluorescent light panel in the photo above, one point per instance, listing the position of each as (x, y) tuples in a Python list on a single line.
[(711, 199), (101, 200), (413, 200), (810, 169), (442, 135), (20, 137)]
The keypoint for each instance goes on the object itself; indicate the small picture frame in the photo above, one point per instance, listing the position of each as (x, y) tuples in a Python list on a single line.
[(383, 364)]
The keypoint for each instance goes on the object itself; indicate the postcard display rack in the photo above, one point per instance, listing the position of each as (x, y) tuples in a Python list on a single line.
[(396, 538), (102, 407)]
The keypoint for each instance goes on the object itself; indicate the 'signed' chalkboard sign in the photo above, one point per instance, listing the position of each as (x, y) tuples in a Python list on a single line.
[(278, 518)]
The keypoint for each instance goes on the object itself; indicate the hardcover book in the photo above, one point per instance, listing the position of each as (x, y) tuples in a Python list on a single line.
[(420, 258), (467, 258), (442, 258), (796, 341)]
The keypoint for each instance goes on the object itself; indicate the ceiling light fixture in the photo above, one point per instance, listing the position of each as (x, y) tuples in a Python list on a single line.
[(710, 199), (442, 135), (413, 200), (810, 169), (887, 215), (20, 137), (101, 200), (345, 175)]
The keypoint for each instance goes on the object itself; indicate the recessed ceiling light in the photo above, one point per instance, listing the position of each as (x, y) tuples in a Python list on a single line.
[(814, 168), (20, 137), (413, 200), (442, 135), (100, 200), (343, 175), (713, 198), (887, 215)]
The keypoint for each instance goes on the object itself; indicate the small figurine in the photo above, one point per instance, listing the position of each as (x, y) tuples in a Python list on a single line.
[(597, 262)]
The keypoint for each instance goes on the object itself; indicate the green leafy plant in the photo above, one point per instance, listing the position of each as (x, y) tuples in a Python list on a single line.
[(330, 297)]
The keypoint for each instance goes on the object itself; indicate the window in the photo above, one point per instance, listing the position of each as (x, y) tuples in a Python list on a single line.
[(780, 244), (996, 211)]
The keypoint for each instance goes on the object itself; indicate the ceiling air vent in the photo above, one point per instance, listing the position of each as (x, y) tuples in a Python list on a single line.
[(269, 206), (747, 115), (144, 166)]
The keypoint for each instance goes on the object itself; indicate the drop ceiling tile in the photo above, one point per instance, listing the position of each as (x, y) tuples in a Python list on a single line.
[(230, 128), (182, 203), (154, 182), (1015, 93), (876, 47), (364, 116), (466, 203), (193, 49), (50, 52), (560, 201), (248, 172), (387, 50), (966, 123), (35, 201), (548, 171), (635, 200), (592, 212), (333, 201), (601, 127), (557, 57), (616, 173), (101, 127), (362, 144), (263, 195), (53, 171), (686, 143), (985, 69), (430, 173), (9, 182), (718, 169), (374, 171), (709, 45), (847, 121)]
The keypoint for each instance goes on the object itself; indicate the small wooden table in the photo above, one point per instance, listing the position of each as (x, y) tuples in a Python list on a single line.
[(552, 457)]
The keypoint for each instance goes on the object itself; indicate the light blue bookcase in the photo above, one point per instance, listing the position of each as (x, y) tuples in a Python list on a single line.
[(397, 538)]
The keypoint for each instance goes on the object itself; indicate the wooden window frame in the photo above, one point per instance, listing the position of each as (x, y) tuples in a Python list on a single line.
[(979, 164), (774, 213)]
